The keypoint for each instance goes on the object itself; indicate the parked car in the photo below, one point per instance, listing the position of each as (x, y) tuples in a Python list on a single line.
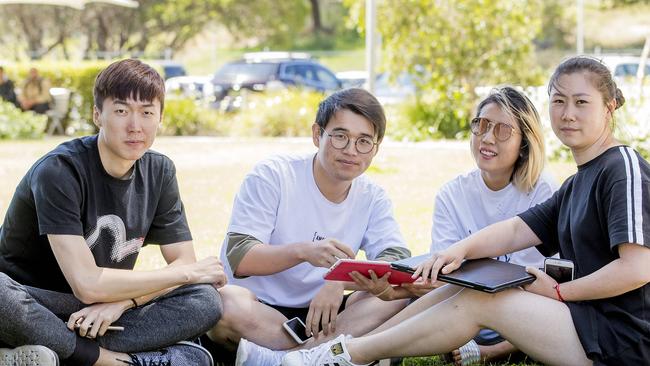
[(396, 90), (387, 90), (194, 87), (624, 67), (171, 68), (261, 71), (352, 78)]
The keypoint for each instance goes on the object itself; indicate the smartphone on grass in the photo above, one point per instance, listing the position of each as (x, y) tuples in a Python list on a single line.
[(560, 270), (296, 329)]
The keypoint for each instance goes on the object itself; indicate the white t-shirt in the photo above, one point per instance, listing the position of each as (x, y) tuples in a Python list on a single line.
[(465, 205), (279, 203)]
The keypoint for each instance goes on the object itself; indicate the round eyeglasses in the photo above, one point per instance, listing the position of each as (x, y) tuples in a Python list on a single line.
[(502, 131), (340, 141)]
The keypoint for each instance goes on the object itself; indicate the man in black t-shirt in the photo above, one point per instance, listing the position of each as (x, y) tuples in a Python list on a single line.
[(72, 234)]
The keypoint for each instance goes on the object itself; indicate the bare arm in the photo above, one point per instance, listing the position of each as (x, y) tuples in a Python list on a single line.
[(507, 236), (92, 284), (174, 254), (264, 259), (503, 237), (629, 272)]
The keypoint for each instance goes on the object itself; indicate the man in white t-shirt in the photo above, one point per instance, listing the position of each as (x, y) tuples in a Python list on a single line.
[(293, 217)]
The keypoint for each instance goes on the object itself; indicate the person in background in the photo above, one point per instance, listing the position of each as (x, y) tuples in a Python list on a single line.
[(35, 94), (7, 91)]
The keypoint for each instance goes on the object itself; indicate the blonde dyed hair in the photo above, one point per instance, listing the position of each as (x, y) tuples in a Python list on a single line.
[(532, 153)]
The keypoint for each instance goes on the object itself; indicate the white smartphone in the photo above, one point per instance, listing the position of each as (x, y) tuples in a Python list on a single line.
[(560, 269), (296, 329)]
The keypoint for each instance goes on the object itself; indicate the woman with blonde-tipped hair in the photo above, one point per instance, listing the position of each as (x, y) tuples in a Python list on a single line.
[(507, 145)]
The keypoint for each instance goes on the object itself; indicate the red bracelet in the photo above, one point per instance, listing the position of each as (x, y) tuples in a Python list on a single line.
[(557, 290)]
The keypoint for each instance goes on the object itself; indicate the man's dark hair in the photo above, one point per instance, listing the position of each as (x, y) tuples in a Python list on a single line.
[(129, 79), (358, 101)]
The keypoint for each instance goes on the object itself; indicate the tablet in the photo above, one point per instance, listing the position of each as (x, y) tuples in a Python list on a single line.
[(340, 271), (409, 264), (485, 274)]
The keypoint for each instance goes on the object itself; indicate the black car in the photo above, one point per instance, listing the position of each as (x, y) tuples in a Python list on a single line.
[(267, 70)]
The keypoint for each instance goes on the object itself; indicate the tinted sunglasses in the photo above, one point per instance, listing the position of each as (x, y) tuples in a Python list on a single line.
[(502, 131)]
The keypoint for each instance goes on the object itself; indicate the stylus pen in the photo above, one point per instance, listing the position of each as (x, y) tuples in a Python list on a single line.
[(110, 327)]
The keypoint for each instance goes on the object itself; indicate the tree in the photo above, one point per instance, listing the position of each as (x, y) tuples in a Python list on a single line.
[(454, 46), (40, 28), (152, 27), (266, 22)]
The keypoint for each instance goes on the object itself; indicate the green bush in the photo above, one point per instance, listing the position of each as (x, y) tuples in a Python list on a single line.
[(185, 117), (632, 124), (287, 112), (15, 123), (430, 117)]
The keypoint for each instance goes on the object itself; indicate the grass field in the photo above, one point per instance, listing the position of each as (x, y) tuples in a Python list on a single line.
[(210, 171)]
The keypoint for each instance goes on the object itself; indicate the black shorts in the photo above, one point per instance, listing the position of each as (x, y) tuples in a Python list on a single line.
[(301, 313)]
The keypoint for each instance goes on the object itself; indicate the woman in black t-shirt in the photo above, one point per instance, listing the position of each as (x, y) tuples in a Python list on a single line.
[(600, 219)]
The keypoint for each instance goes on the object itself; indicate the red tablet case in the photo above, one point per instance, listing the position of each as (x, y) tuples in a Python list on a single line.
[(341, 269)]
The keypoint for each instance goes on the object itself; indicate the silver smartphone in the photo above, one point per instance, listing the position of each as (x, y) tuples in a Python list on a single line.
[(560, 270), (296, 329)]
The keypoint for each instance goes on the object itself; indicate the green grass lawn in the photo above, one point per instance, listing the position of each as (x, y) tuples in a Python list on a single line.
[(210, 171)]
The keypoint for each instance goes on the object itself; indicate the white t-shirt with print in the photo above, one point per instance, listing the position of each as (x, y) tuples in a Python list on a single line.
[(279, 203), (465, 205)]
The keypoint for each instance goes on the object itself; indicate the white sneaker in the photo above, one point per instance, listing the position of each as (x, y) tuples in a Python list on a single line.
[(251, 354), (333, 352), (28, 355)]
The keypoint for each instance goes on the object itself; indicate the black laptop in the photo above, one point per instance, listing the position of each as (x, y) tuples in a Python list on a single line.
[(485, 274)]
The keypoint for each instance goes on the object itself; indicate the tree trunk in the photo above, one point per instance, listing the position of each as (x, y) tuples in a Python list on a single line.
[(32, 32), (315, 16), (102, 34), (316, 19)]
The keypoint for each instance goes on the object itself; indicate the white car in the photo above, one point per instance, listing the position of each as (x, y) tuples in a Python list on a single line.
[(194, 87), (624, 67), (353, 78)]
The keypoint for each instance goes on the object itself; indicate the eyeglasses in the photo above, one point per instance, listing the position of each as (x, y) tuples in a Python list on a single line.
[(340, 141), (502, 131)]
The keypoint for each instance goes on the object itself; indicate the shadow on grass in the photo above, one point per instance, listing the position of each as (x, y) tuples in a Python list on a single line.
[(438, 361)]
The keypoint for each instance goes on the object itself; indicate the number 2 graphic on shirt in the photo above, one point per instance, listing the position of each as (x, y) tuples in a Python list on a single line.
[(120, 247)]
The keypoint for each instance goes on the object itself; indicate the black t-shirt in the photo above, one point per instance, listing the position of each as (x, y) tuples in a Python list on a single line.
[(68, 192), (604, 204)]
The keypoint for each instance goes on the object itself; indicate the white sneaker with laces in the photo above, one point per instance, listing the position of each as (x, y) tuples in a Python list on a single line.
[(330, 353), (28, 355), (251, 354)]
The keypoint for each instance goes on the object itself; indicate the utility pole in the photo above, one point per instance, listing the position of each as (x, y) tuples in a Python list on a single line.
[(371, 46), (580, 28)]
